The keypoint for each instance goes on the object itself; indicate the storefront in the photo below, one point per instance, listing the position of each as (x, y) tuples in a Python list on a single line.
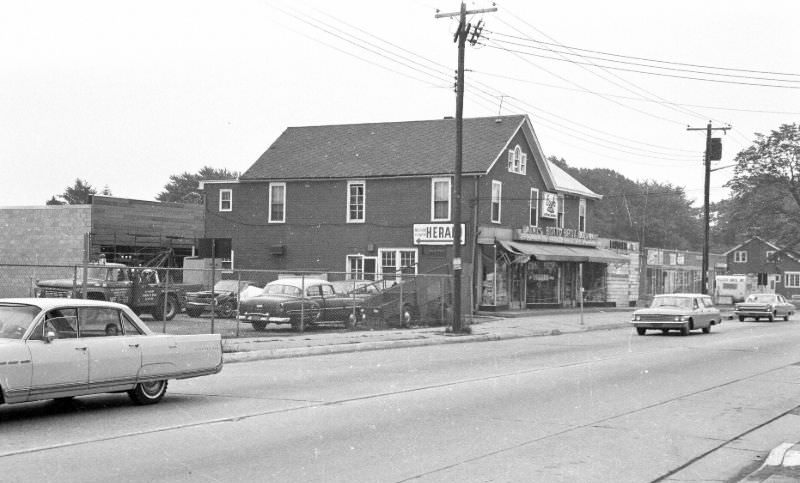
[(546, 273)]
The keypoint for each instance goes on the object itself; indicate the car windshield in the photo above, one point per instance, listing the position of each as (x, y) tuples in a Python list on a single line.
[(107, 273), (681, 302), (280, 289), (226, 286), (15, 319), (761, 298)]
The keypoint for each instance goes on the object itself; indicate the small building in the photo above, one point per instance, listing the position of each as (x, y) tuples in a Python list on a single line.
[(374, 200), (767, 267), (40, 241)]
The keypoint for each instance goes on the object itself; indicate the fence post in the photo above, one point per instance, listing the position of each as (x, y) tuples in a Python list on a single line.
[(238, 299), (302, 301), (164, 308)]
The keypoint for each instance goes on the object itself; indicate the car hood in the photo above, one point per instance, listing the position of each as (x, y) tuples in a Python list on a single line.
[(67, 282), (207, 293), (662, 311)]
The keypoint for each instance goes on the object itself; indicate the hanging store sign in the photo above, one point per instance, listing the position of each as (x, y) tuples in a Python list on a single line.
[(437, 234), (549, 205), (552, 234)]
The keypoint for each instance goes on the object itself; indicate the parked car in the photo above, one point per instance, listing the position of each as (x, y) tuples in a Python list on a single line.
[(359, 288), (54, 348), (227, 294), (299, 300), (768, 306), (680, 311), (393, 304)]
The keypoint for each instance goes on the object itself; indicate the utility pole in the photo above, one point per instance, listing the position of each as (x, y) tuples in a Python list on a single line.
[(713, 153), (460, 37)]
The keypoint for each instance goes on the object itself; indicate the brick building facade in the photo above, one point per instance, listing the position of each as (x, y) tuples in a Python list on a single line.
[(767, 267), (375, 200)]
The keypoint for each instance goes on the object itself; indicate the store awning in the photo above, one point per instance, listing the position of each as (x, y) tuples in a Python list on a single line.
[(563, 253)]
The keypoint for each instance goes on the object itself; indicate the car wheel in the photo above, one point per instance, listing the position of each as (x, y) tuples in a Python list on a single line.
[(685, 330), (786, 317), (226, 310), (172, 309), (707, 330), (194, 312), (259, 325), (641, 330), (741, 318), (771, 317), (664, 331), (407, 316), (351, 321), (148, 392)]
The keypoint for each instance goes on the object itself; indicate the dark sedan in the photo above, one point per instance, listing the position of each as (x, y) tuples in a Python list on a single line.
[(226, 293), (300, 302)]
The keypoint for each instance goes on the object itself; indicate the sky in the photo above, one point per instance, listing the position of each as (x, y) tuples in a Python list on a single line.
[(125, 94)]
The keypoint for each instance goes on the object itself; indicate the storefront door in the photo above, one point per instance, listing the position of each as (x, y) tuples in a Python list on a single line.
[(517, 281)]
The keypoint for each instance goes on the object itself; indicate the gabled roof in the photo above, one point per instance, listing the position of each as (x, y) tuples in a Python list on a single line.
[(383, 149), (412, 148), (791, 253)]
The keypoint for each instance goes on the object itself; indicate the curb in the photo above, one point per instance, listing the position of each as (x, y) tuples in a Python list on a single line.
[(776, 457), (437, 339)]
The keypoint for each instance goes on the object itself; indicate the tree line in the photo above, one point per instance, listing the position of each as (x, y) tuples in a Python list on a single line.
[(764, 201)]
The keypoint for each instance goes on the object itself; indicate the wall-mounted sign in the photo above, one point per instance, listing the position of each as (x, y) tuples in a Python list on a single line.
[(437, 234), (552, 234), (549, 205)]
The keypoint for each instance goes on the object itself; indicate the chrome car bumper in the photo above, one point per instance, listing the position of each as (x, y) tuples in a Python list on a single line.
[(264, 318), (663, 324)]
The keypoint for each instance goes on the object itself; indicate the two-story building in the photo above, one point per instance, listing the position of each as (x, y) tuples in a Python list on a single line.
[(767, 266), (373, 200)]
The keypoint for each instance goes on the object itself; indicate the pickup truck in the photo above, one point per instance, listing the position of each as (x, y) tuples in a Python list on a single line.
[(139, 289)]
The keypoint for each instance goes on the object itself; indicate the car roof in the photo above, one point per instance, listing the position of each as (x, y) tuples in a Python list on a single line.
[(682, 295), (299, 282), (51, 303)]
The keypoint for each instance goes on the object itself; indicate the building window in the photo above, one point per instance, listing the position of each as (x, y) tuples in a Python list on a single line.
[(792, 279), (533, 219), (770, 255), (355, 201), (582, 215), (277, 202), (740, 256), (355, 267), (396, 261), (225, 200), (560, 221), (497, 195), (440, 196), (517, 160)]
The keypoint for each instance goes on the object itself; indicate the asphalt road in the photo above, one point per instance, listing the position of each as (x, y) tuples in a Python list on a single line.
[(593, 406)]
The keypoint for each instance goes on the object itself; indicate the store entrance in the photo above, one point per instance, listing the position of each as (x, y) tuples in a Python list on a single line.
[(517, 286)]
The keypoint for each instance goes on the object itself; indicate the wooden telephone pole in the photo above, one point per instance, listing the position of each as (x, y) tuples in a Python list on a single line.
[(713, 153), (464, 30)]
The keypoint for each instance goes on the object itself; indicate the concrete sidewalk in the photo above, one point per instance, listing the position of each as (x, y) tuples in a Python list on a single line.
[(485, 327)]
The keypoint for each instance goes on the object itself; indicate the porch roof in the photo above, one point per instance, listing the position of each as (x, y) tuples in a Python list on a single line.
[(563, 253)]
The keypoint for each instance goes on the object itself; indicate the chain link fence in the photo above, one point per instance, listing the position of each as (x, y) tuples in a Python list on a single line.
[(202, 300)]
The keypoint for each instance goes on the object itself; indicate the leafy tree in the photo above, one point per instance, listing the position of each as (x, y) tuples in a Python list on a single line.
[(659, 214), (184, 187), (765, 189), (77, 194)]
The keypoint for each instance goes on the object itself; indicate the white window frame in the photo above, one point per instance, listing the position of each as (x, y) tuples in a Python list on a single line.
[(355, 272), (222, 199), (269, 208), (740, 256), (561, 208), (533, 207), (434, 182), (350, 205), (517, 160), (582, 215), (769, 254), (397, 260), (791, 279), (498, 199)]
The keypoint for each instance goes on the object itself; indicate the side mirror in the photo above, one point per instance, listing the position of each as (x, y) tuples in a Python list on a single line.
[(50, 336)]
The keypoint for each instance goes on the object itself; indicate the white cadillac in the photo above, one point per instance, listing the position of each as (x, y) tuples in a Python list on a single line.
[(61, 348)]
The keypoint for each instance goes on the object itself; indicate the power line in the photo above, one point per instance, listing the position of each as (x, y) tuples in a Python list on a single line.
[(648, 59)]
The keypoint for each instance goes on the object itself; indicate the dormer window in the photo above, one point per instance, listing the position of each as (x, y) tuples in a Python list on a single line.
[(517, 160)]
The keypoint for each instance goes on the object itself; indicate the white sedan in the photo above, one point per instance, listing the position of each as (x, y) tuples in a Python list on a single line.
[(61, 348)]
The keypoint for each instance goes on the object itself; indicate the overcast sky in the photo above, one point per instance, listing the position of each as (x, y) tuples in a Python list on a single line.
[(125, 94)]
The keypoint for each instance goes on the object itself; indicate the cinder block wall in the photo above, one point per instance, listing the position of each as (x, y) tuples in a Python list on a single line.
[(43, 234)]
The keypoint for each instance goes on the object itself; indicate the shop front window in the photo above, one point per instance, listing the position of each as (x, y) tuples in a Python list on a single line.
[(542, 283)]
